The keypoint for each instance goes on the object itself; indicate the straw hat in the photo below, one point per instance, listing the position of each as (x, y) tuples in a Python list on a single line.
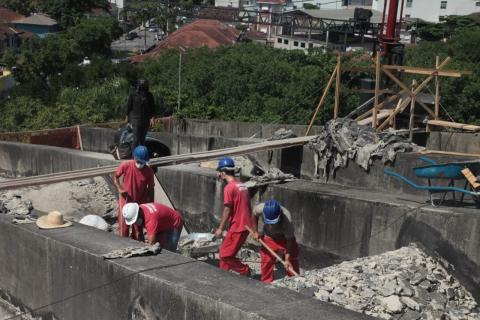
[(52, 220)]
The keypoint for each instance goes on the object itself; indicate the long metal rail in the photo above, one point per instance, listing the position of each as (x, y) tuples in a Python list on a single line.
[(176, 159)]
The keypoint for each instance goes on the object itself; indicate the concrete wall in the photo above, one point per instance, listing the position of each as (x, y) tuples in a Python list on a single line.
[(20, 160), (60, 274), (346, 221), (100, 139)]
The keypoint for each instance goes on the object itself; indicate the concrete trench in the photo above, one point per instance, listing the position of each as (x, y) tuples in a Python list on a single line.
[(342, 217)]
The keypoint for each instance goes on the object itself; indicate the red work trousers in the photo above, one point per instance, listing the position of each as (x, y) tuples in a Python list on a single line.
[(232, 242), (123, 228), (268, 260)]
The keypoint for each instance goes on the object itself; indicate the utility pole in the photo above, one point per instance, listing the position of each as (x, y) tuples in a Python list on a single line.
[(179, 78)]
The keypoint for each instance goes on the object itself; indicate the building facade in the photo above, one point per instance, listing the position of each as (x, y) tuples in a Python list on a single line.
[(433, 10)]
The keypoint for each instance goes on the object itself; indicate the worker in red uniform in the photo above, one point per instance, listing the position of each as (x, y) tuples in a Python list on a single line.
[(273, 224), (137, 185), (236, 212), (162, 223)]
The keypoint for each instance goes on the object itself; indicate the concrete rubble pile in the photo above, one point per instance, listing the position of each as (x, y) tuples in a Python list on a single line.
[(14, 203), (344, 139), (402, 284)]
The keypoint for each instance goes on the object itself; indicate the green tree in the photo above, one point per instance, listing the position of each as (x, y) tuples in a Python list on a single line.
[(24, 7), (69, 12)]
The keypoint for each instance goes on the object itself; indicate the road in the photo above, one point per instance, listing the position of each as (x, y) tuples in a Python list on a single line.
[(135, 45)]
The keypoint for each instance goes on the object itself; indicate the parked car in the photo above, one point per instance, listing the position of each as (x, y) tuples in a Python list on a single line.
[(131, 35), (152, 29)]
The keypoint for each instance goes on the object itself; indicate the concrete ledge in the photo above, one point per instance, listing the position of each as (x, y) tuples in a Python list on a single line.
[(60, 273)]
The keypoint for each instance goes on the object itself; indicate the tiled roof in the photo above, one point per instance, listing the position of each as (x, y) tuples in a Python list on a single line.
[(6, 30), (200, 33), (7, 15)]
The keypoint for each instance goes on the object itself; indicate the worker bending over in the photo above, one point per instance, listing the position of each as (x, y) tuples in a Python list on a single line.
[(236, 212), (162, 223), (137, 186), (273, 224)]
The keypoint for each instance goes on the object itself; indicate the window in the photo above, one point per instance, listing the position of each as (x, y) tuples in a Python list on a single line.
[(295, 43), (279, 40), (409, 3), (285, 41), (443, 5), (310, 45), (407, 16), (477, 3), (302, 44), (441, 18)]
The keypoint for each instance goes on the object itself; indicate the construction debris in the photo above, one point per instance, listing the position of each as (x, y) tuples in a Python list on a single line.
[(272, 176), (14, 203), (344, 139), (198, 244), (281, 134), (130, 252), (401, 284)]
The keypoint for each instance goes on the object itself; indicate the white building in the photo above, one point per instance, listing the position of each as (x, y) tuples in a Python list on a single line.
[(119, 3), (433, 10)]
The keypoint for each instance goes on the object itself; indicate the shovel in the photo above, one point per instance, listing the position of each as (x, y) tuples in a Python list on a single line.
[(272, 252)]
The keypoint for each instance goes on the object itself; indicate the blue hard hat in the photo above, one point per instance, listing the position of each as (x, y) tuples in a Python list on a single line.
[(271, 212), (141, 154), (225, 162)]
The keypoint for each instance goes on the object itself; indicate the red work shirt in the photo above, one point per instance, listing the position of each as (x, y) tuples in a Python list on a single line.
[(235, 195), (159, 218), (135, 181)]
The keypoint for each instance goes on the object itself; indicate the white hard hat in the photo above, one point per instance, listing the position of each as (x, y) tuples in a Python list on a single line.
[(95, 221), (130, 213)]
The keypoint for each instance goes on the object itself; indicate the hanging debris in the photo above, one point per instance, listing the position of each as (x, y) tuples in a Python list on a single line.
[(344, 139)]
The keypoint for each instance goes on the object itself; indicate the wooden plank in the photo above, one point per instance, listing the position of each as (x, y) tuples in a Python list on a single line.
[(322, 100), (337, 88), (403, 86), (455, 125), (437, 90), (382, 114), (176, 159), (427, 71), (471, 178), (412, 113), (410, 70), (415, 92), (462, 154), (377, 89)]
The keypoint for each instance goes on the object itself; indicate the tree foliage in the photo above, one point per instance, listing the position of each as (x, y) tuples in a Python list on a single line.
[(451, 26), (460, 97), (42, 58)]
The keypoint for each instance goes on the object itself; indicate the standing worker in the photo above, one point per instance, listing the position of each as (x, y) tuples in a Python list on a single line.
[(140, 112), (137, 186), (273, 224), (237, 211), (162, 223)]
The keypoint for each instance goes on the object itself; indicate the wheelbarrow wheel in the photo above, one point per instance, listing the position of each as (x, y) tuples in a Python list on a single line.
[(437, 202)]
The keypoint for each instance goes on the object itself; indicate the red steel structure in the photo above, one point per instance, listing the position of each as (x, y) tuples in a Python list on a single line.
[(389, 36)]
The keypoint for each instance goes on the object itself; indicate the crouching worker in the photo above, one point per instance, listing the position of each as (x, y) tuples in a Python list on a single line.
[(273, 224), (162, 223)]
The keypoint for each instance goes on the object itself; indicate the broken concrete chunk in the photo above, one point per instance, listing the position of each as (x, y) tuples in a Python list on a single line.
[(392, 304), (410, 303)]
